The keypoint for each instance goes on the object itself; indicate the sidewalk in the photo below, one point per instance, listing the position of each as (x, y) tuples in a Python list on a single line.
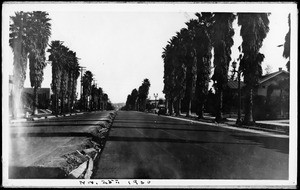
[(41, 115), (277, 126)]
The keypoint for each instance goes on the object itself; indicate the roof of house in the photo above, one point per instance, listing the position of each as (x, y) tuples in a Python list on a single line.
[(271, 75), (232, 84)]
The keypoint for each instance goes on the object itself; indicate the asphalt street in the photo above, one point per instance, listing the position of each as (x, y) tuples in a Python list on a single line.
[(147, 146)]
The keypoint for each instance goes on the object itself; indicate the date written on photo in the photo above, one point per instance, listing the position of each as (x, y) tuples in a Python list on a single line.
[(114, 182)]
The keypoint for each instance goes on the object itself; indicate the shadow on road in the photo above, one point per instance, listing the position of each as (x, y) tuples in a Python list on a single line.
[(153, 122), (268, 142), (147, 139), (166, 128)]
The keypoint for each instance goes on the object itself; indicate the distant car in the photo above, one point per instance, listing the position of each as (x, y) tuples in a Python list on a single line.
[(162, 110), (155, 110)]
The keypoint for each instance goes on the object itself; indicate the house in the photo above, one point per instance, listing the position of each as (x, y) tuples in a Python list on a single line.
[(44, 97), (272, 96), (272, 80)]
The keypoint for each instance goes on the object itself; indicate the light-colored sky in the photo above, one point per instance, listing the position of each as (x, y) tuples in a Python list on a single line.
[(122, 44)]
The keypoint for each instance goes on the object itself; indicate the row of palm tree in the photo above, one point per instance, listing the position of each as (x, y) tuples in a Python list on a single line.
[(93, 97), (65, 72), (137, 99), (287, 44), (29, 37), (187, 59)]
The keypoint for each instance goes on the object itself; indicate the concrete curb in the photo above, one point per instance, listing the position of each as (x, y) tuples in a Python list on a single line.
[(18, 120), (43, 117), (271, 127), (85, 170), (263, 127)]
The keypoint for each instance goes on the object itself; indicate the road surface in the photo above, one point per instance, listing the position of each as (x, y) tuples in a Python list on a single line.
[(147, 146)]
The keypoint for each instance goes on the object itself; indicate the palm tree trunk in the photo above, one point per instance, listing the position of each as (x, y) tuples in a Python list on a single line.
[(16, 98), (200, 109), (69, 103), (167, 104), (177, 107), (62, 103), (144, 105), (99, 104), (72, 95), (189, 111), (170, 106), (248, 120), (35, 101), (84, 103), (189, 94), (219, 116), (69, 92), (55, 103)]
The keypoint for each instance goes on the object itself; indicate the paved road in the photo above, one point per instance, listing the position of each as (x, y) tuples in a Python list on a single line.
[(37, 147), (147, 146)]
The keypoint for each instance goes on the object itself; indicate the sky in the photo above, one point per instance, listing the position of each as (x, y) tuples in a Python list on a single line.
[(122, 44)]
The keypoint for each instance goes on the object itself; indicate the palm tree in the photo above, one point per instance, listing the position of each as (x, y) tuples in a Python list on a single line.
[(168, 57), (174, 74), (134, 98), (254, 29), (105, 100), (75, 76), (222, 42), (203, 45), (143, 92), (190, 61), (38, 33), (127, 104), (56, 58), (100, 94), (99, 99), (18, 41), (287, 44), (179, 73), (87, 85), (64, 77)]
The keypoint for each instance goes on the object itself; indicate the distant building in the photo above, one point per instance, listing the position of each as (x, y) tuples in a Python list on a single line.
[(44, 96)]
